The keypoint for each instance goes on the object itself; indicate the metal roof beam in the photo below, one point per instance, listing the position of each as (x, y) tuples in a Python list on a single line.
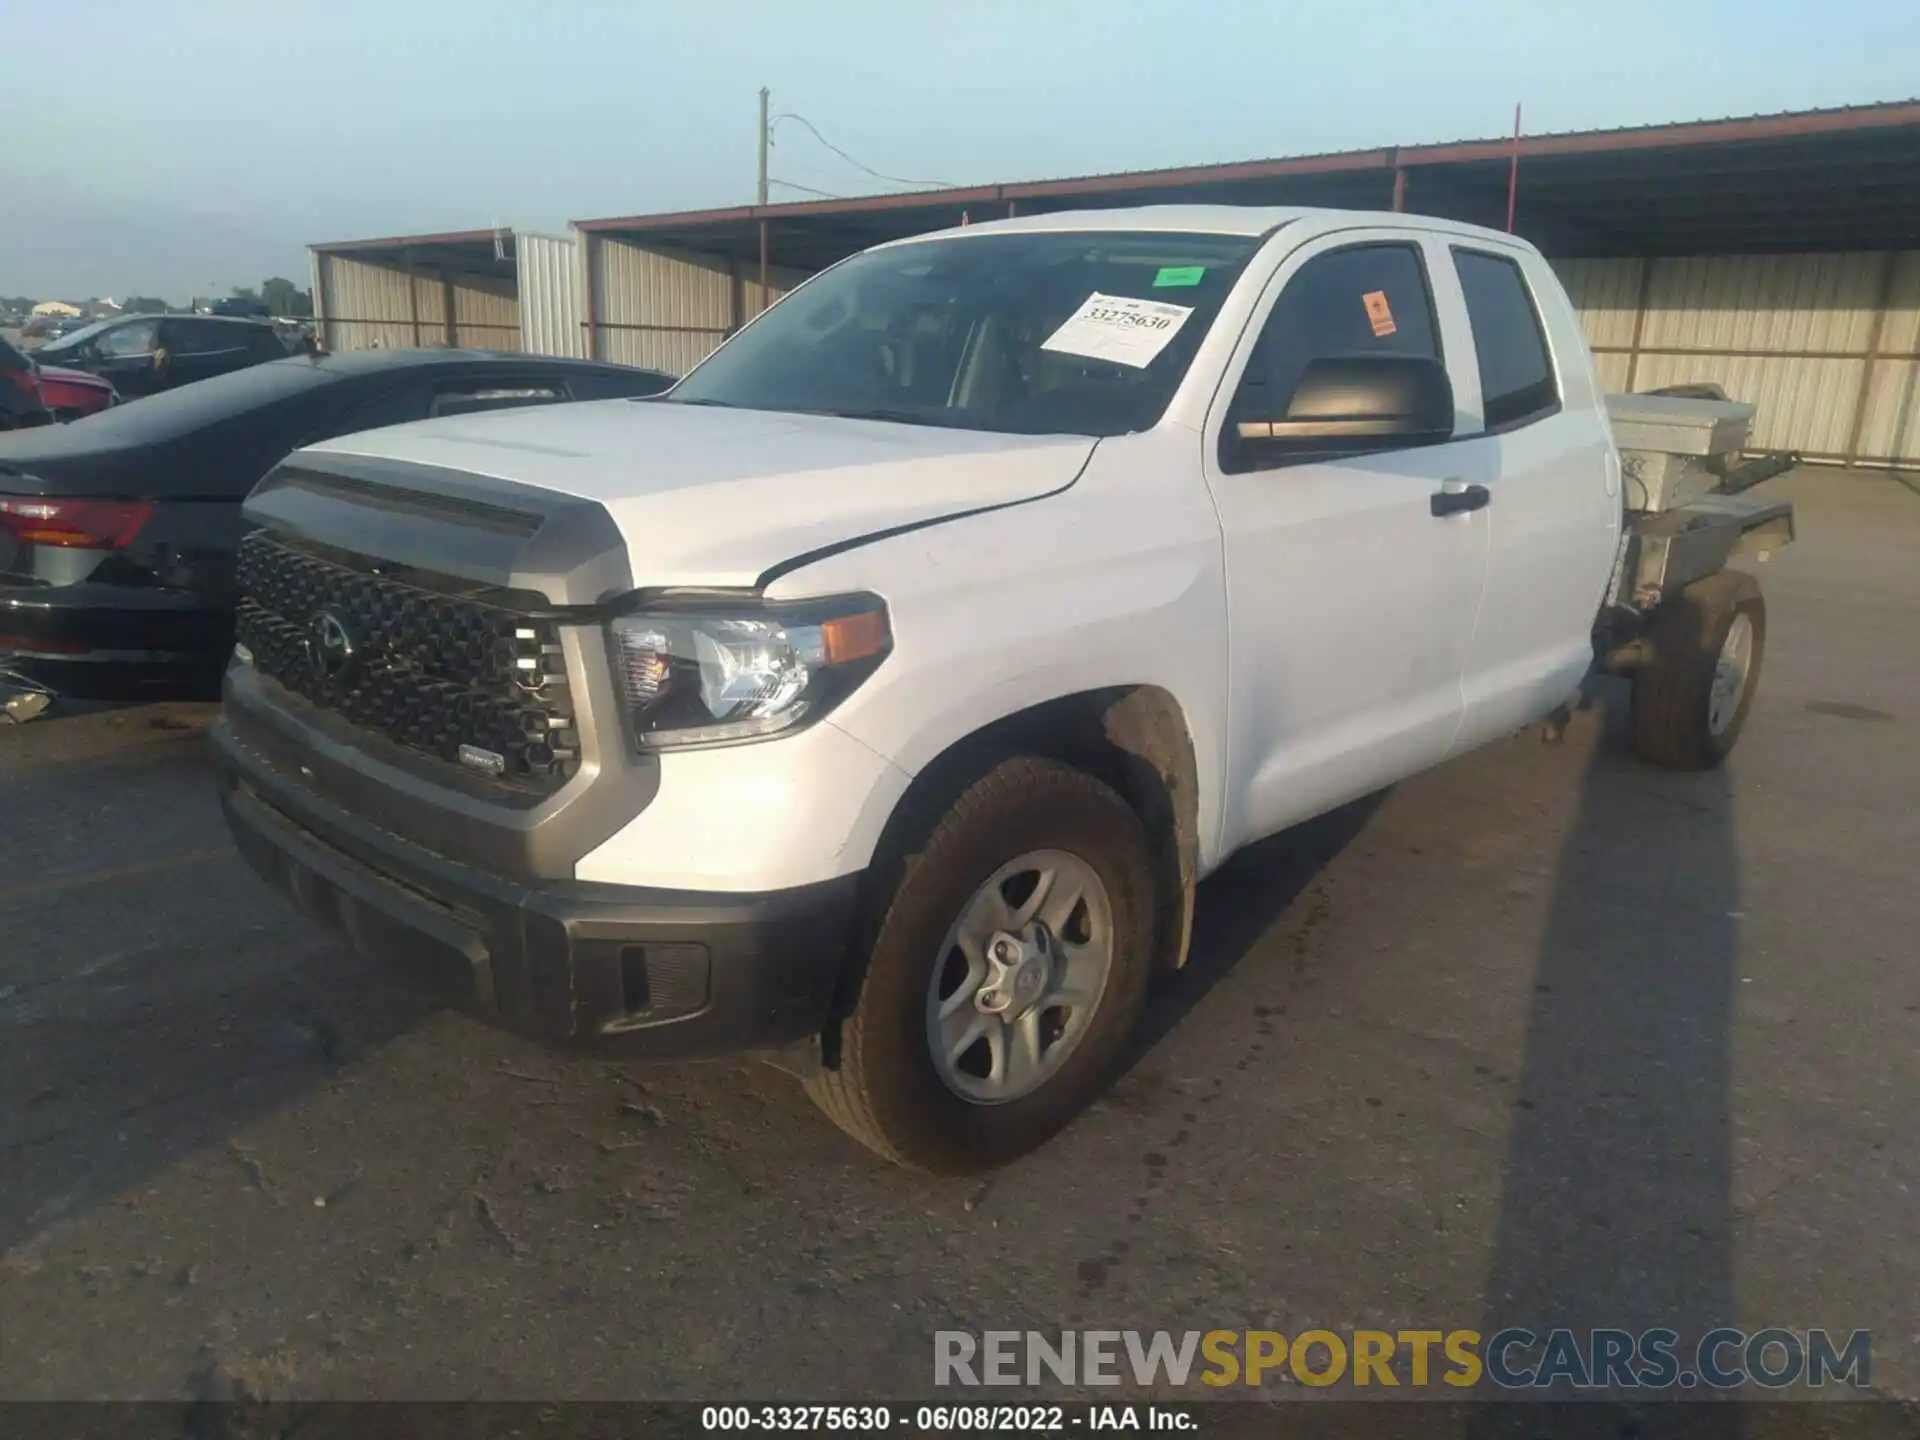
[(1823, 177), (402, 242), (1617, 191), (1660, 137), (1599, 167)]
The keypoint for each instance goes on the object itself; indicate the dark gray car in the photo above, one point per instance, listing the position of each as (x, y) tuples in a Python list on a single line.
[(144, 354), (118, 532)]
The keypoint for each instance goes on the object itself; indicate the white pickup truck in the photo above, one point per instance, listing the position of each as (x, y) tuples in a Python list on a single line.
[(886, 687)]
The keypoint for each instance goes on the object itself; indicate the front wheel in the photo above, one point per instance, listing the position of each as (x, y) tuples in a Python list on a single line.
[(1691, 698), (1006, 975)]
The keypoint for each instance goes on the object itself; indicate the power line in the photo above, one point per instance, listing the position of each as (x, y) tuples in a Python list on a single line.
[(793, 165), (814, 130), (803, 189)]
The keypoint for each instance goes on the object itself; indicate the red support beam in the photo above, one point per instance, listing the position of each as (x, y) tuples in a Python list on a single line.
[(1513, 170), (763, 266)]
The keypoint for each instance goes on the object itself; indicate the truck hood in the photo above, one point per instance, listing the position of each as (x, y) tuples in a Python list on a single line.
[(706, 496)]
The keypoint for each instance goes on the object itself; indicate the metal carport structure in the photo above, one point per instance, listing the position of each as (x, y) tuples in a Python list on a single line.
[(1778, 255), (478, 289)]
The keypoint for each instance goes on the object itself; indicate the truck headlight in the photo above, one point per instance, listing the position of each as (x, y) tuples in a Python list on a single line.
[(710, 671)]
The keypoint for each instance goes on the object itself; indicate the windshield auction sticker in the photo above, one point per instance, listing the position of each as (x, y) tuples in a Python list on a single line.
[(1116, 328)]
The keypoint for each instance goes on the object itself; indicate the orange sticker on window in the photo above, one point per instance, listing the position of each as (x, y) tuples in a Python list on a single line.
[(1379, 313)]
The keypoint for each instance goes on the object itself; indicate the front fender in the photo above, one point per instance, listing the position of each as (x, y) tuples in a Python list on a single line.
[(1116, 582)]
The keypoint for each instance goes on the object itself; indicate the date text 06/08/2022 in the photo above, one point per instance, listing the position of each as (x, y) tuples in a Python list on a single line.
[(947, 1419)]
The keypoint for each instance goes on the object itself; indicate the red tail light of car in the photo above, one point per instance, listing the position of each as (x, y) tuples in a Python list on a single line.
[(73, 524)]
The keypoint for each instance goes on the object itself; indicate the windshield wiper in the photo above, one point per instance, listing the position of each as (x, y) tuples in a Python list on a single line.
[(897, 417)]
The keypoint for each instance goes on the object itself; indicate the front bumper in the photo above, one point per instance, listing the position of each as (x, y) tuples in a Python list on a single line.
[(619, 968)]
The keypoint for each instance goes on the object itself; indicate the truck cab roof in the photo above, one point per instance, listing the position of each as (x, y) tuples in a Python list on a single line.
[(1251, 220)]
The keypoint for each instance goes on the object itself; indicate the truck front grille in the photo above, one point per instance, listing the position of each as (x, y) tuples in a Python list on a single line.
[(466, 681)]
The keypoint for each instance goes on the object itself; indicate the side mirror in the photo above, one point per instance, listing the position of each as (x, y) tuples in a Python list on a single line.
[(1351, 404)]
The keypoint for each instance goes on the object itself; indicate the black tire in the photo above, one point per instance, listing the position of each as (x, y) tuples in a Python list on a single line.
[(884, 1090), (1672, 690)]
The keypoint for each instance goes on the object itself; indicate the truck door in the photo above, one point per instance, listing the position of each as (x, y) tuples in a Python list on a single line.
[(1351, 589), (1539, 443)]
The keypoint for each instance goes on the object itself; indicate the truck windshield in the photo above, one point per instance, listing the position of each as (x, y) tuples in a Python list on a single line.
[(1036, 333)]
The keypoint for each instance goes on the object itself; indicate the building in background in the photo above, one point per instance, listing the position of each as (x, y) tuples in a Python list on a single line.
[(1777, 256), (471, 289)]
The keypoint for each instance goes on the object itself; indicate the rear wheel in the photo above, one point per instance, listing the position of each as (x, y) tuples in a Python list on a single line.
[(1690, 700), (1006, 975)]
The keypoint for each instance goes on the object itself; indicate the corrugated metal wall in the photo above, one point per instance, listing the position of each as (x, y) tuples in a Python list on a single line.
[(363, 305), (430, 301), (317, 288), (1827, 346), (780, 280), (552, 321), (1890, 424), (486, 313), (667, 310)]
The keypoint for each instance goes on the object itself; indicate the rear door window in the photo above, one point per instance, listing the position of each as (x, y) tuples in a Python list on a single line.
[(1517, 384), (190, 337)]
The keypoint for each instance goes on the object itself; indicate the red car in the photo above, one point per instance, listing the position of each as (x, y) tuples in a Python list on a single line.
[(36, 394), (70, 394), (21, 404)]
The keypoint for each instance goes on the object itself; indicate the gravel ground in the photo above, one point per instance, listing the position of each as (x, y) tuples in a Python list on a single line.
[(1540, 1037)]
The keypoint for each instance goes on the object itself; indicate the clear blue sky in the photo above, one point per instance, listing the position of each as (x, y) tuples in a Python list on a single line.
[(162, 147)]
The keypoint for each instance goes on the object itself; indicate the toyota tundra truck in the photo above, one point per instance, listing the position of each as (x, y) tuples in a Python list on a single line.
[(879, 694)]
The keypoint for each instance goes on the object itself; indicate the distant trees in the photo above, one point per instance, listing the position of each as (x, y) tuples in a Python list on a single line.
[(283, 297), (279, 294)]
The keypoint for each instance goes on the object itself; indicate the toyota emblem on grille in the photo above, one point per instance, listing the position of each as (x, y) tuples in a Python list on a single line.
[(330, 646)]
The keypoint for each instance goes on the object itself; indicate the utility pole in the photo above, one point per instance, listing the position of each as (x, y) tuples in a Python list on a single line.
[(760, 194)]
